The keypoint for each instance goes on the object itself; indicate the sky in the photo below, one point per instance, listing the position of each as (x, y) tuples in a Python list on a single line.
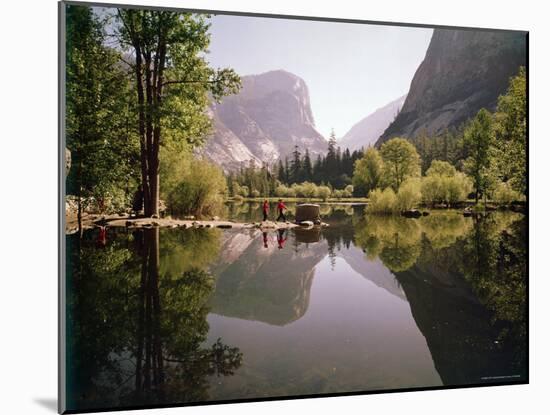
[(350, 69)]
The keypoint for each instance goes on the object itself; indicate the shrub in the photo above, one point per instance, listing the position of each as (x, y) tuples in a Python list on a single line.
[(432, 189), (338, 194), (200, 189), (309, 190), (409, 194), (504, 194), (323, 192), (456, 188), (255, 193), (382, 201)]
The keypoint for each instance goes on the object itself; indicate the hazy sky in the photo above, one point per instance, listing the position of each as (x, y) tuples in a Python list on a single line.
[(350, 69)]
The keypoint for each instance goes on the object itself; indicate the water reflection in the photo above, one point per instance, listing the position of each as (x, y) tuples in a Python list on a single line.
[(368, 303), (136, 334)]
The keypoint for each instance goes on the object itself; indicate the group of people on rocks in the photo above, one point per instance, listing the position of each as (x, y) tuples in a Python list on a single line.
[(280, 210)]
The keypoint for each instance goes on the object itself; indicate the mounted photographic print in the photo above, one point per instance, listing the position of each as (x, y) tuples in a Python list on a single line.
[(259, 207)]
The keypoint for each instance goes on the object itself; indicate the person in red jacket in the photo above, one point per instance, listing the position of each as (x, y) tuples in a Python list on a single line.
[(280, 209), (265, 209)]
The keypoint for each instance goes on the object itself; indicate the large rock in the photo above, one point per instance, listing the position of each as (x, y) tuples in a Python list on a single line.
[(307, 212), (463, 71)]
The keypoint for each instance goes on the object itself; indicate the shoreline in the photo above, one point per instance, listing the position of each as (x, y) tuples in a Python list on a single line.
[(117, 221)]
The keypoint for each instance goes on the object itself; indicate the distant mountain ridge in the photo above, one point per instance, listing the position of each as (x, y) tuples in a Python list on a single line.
[(263, 122), (369, 129), (463, 71)]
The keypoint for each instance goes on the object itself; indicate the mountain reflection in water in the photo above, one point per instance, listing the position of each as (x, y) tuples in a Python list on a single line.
[(369, 303)]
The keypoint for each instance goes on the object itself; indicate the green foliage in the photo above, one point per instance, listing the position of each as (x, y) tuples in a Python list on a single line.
[(99, 107), (409, 194), (446, 146), (367, 174), (401, 161), (443, 184), (382, 201), (323, 192), (479, 139), (259, 181), (504, 194), (173, 84), (441, 168), (511, 133), (191, 185)]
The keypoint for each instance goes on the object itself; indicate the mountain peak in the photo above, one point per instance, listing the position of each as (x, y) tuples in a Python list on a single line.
[(269, 116), (463, 71), (369, 129)]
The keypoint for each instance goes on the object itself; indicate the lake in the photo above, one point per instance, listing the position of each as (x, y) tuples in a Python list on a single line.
[(165, 316)]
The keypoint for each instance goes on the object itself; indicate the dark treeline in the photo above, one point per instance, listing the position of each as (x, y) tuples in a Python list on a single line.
[(333, 171), (447, 146)]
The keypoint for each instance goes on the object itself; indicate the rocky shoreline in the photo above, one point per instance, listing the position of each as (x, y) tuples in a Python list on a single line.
[(120, 221)]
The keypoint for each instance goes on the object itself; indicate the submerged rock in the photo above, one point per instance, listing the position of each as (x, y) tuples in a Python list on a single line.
[(412, 213)]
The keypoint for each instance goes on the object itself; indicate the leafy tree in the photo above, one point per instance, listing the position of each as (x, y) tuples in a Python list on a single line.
[(479, 137), (173, 83), (98, 105), (401, 160), (367, 174), (511, 133), (441, 168)]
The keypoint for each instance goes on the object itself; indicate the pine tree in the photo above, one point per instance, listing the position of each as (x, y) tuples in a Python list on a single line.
[(296, 166), (307, 168)]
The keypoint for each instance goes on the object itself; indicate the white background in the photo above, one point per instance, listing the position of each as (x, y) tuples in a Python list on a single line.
[(28, 228)]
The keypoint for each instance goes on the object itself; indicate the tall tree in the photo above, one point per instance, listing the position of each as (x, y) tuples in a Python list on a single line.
[(367, 175), (511, 133), (281, 174), (401, 161), (479, 137), (173, 82), (307, 168), (296, 166), (98, 107)]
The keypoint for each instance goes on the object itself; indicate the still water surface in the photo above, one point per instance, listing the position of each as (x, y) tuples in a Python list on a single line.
[(369, 303)]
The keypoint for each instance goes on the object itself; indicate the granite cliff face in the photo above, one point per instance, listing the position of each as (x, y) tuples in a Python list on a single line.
[(270, 115), (463, 71), (369, 129)]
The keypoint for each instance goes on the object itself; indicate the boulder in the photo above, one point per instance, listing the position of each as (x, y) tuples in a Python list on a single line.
[(307, 212), (306, 223)]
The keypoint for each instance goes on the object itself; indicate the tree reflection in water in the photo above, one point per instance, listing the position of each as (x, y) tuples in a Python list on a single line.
[(138, 305), (135, 335), (465, 280)]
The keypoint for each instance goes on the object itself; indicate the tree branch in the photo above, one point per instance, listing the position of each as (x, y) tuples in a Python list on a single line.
[(184, 81)]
